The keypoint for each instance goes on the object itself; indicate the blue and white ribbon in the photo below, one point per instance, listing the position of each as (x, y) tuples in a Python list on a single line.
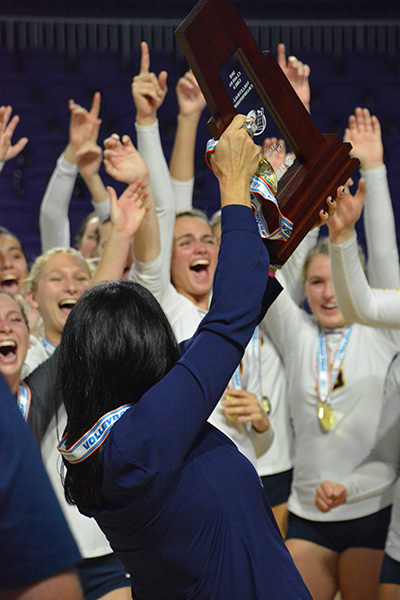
[(93, 438), (48, 346), (327, 374), (259, 189), (236, 380), (24, 400)]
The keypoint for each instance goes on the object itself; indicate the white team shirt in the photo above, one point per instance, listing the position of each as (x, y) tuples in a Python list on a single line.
[(356, 400)]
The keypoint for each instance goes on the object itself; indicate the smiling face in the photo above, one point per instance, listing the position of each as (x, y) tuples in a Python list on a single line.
[(13, 266), (62, 280), (14, 341), (193, 259), (320, 294)]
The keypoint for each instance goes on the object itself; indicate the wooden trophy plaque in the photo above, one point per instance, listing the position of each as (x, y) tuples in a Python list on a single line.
[(236, 77)]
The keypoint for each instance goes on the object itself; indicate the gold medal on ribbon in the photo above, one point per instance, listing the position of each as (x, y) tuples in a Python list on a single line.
[(265, 403), (232, 418), (325, 416), (266, 172)]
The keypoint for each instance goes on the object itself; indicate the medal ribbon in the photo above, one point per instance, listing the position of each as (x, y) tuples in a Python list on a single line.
[(263, 400), (236, 380), (48, 346), (256, 342), (259, 189), (327, 374), (24, 399), (92, 439)]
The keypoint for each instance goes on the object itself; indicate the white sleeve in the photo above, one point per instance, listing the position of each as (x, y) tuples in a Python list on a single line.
[(357, 301), (2, 163), (150, 148), (380, 469), (183, 194), (279, 322), (262, 441), (290, 276), (149, 275), (102, 209), (380, 231), (53, 216)]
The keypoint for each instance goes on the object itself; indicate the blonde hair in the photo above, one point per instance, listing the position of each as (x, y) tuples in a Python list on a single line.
[(215, 219), (194, 213), (322, 247), (37, 267)]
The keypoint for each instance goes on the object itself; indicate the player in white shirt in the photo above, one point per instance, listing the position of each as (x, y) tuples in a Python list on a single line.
[(335, 376), (378, 308)]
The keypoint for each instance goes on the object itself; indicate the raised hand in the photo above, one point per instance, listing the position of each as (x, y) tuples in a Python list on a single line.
[(297, 73), (329, 495), (122, 161), (364, 134), (148, 90), (89, 158), (331, 204), (244, 407), (189, 95), (234, 162), (127, 213), (7, 128), (84, 124), (342, 224)]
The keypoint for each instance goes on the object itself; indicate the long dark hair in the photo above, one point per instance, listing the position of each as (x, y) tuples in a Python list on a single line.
[(116, 344)]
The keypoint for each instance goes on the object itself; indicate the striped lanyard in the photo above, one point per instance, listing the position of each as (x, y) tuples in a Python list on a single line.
[(92, 439), (48, 346), (24, 400), (328, 373), (236, 382)]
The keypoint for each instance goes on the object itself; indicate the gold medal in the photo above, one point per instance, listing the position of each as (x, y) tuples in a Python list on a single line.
[(325, 415), (266, 172), (266, 404), (232, 418)]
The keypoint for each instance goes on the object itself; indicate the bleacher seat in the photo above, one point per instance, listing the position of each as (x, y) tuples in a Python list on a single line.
[(38, 84), (36, 64)]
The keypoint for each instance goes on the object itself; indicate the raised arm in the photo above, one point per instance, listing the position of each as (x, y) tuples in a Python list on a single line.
[(53, 219), (124, 163), (274, 149), (357, 300), (89, 155), (191, 104), (201, 375), (364, 133), (148, 92), (127, 215), (298, 74)]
